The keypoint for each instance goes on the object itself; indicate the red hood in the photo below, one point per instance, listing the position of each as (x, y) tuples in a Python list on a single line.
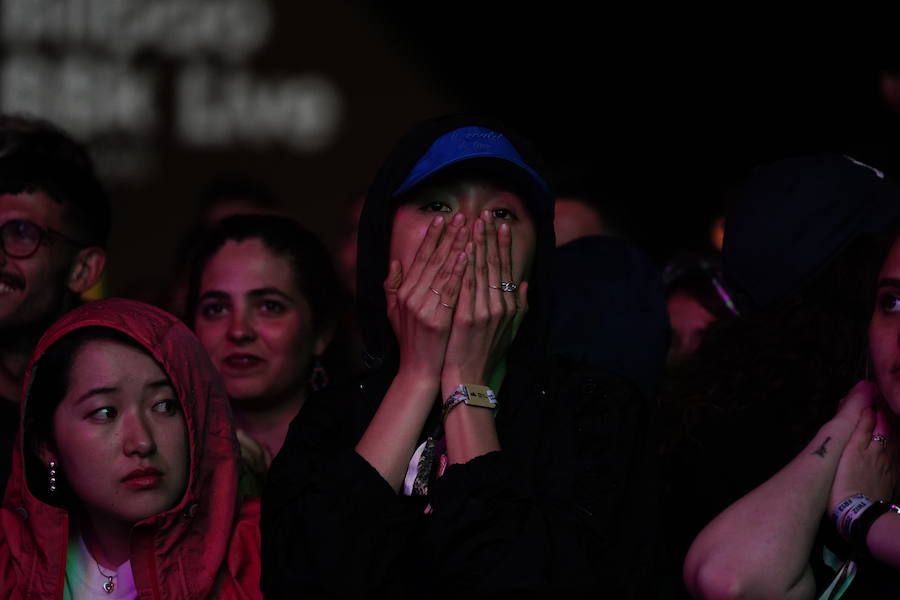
[(180, 552)]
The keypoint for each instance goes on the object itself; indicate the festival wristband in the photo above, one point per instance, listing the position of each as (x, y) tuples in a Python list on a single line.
[(847, 511), (472, 395)]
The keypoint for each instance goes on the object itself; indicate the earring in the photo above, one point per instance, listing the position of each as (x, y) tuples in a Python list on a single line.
[(51, 476), (318, 378)]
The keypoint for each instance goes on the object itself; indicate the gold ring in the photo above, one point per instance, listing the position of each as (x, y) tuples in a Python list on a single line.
[(435, 291), (445, 305)]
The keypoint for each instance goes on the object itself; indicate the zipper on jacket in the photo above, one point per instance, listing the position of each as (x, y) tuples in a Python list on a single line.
[(151, 562)]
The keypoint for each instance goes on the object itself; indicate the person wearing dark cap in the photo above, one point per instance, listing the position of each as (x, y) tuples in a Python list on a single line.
[(608, 305), (465, 464), (802, 248), (54, 222), (610, 309), (795, 217)]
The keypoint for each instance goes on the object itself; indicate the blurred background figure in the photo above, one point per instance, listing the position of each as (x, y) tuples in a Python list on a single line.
[(580, 209), (234, 195), (348, 340), (345, 250), (264, 301), (610, 311), (696, 296), (609, 307)]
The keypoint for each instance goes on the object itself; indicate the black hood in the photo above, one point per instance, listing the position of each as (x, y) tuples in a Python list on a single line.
[(375, 226)]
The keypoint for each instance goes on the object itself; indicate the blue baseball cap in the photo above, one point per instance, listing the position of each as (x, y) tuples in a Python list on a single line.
[(470, 143)]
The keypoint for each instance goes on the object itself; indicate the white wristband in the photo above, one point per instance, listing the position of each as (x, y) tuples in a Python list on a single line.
[(848, 510)]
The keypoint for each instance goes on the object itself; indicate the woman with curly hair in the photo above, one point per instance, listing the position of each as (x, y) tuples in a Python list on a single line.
[(802, 248)]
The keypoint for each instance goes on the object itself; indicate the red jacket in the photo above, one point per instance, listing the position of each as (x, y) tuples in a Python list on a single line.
[(207, 546)]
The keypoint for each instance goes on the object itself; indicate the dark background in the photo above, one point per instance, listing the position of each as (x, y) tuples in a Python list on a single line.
[(657, 115), (663, 120)]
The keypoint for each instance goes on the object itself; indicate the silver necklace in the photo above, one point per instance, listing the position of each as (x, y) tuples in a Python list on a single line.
[(109, 585)]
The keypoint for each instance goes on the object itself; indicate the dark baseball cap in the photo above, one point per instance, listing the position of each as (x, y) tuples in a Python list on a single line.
[(795, 215)]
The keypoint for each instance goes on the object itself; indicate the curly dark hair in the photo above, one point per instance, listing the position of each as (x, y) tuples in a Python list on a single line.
[(801, 355), (760, 385)]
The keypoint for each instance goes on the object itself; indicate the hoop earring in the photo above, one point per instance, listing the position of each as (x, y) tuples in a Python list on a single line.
[(51, 476), (318, 378)]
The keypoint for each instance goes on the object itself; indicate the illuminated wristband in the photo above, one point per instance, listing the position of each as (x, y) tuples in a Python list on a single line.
[(847, 511), (472, 395)]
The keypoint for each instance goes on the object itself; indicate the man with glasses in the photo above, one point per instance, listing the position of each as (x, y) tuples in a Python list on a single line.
[(54, 221)]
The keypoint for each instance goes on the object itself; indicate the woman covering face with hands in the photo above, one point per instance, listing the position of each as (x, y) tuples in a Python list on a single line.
[(466, 461)]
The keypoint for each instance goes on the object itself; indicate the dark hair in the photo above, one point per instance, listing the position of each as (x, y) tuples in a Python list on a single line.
[(234, 187), (48, 386), (36, 155), (795, 359), (314, 272)]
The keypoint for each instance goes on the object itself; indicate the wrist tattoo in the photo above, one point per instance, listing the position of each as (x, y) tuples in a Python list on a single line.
[(822, 449)]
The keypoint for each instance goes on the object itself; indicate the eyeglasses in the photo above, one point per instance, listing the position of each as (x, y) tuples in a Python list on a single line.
[(21, 238)]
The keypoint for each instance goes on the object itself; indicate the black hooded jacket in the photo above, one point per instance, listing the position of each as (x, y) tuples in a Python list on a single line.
[(566, 509)]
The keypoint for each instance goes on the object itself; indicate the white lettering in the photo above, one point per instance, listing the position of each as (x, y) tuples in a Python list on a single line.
[(214, 109), (88, 96), (228, 29)]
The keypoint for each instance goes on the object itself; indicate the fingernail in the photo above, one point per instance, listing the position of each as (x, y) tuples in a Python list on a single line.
[(504, 227), (479, 225), (461, 258), (438, 220), (470, 248), (462, 234), (459, 218), (486, 215)]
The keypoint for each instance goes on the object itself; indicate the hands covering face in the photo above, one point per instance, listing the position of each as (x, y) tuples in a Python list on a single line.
[(452, 318)]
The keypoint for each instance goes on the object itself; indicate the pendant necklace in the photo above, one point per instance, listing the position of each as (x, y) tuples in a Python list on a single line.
[(109, 585)]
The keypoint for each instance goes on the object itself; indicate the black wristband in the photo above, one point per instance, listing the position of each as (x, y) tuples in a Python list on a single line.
[(859, 529)]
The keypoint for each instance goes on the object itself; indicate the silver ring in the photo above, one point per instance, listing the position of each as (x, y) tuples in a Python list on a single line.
[(435, 291), (445, 305), (508, 286), (877, 437)]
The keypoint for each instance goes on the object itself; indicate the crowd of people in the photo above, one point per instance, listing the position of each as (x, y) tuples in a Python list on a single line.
[(521, 403)]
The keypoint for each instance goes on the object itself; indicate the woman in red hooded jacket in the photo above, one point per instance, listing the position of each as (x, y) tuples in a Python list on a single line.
[(124, 479)]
